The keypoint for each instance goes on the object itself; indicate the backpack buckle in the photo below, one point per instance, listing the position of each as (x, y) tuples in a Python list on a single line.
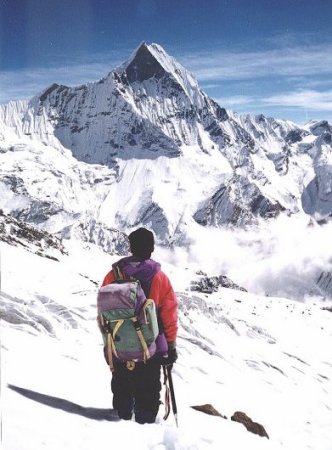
[(130, 365)]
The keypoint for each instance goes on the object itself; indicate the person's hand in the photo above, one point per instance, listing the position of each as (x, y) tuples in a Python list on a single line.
[(170, 358)]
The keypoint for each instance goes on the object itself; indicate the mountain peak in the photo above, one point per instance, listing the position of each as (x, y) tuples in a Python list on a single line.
[(143, 64), (150, 61)]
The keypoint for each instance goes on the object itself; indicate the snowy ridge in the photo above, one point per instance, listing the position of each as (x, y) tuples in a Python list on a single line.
[(39, 242), (12, 115)]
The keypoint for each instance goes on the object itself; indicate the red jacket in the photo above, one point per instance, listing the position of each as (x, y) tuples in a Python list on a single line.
[(162, 293)]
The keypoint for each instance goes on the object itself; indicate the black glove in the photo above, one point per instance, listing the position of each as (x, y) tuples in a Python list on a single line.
[(170, 358)]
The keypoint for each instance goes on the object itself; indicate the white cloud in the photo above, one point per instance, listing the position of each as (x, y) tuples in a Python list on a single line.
[(237, 65), (269, 258), (306, 99), (309, 100)]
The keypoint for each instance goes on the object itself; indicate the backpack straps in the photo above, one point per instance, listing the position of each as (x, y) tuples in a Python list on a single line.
[(111, 349), (138, 329), (118, 275), (110, 339)]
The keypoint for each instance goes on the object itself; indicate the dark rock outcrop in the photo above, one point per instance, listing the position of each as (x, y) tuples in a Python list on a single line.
[(324, 282), (250, 425), (238, 201), (320, 127), (238, 416), (208, 409), (15, 232), (144, 66), (207, 285)]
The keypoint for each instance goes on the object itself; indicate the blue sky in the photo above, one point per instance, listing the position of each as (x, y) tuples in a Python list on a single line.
[(259, 56)]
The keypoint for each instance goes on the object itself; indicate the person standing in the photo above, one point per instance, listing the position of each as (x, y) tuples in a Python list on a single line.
[(136, 388)]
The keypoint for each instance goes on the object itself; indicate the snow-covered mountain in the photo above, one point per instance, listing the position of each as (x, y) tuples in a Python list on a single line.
[(145, 145)]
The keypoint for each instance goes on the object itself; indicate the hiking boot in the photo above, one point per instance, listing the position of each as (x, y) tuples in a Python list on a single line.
[(145, 417), (125, 415)]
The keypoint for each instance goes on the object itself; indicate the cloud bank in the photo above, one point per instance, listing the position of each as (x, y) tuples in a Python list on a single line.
[(282, 258)]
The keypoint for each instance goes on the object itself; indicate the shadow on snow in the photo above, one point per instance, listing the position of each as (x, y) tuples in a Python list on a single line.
[(67, 406)]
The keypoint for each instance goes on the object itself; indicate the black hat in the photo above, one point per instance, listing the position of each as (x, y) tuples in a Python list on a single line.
[(141, 243)]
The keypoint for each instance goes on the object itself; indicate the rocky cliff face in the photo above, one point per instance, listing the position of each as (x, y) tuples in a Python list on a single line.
[(173, 154)]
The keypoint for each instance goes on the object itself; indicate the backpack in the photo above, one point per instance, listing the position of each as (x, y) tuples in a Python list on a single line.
[(127, 320)]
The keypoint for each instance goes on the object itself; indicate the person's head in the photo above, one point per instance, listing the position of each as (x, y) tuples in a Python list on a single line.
[(141, 243)]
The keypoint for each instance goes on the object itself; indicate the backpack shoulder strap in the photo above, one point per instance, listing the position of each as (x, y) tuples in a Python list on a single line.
[(118, 275)]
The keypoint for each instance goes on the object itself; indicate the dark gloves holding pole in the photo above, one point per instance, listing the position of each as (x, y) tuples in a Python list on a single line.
[(171, 357)]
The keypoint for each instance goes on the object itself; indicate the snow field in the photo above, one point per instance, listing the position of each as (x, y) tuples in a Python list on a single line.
[(268, 357)]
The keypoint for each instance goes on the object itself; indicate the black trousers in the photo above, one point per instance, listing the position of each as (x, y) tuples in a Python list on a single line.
[(137, 390)]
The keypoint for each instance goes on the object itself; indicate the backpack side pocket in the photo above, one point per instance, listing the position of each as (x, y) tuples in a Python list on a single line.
[(150, 321)]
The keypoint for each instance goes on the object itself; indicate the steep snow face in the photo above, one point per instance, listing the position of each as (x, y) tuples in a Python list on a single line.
[(47, 187), (317, 196), (235, 202), (158, 151)]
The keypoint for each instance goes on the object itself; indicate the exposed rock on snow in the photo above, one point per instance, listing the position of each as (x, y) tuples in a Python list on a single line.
[(109, 239), (296, 136), (15, 232), (208, 285), (143, 66), (208, 409), (251, 426), (324, 283), (317, 196), (238, 416), (319, 127), (237, 202)]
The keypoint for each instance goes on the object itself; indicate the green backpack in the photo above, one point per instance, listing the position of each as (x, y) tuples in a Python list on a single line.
[(127, 320)]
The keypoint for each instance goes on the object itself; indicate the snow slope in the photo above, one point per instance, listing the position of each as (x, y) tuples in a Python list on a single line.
[(269, 357)]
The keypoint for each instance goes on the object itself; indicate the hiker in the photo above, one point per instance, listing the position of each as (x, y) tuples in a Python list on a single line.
[(136, 385)]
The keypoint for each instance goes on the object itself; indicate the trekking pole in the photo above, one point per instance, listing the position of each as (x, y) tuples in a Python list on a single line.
[(166, 384), (171, 388)]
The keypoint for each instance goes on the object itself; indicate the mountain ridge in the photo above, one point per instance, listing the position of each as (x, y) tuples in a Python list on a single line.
[(162, 141)]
